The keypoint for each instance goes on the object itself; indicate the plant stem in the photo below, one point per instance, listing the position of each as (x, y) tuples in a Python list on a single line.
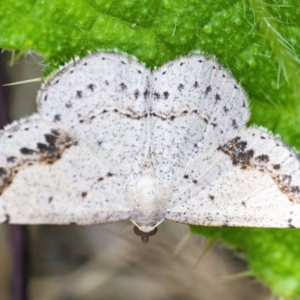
[(17, 232)]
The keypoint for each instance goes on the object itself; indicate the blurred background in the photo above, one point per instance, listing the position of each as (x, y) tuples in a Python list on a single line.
[(109, 261)]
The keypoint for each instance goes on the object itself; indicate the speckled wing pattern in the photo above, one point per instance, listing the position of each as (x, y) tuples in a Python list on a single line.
[(220, 173), (114, 141), (97, 106)]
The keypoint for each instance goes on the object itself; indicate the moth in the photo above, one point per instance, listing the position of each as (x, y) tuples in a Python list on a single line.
[(113, 140)]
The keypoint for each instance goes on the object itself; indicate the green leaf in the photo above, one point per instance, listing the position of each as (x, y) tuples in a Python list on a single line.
[(257, 40), (272, 254)]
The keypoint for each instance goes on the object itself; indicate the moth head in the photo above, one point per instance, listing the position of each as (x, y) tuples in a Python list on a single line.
[(144, 235)]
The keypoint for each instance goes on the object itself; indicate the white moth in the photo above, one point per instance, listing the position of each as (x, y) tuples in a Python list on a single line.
[(114, 141)]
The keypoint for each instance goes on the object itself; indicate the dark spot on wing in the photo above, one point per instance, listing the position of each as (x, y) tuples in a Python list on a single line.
[(123, 86), (218, 97), (294, 189), (290, 223), (211, 197), (234, 124), (238, 152), (226, 110), (68, 104), (57, 118), (276, 167), (156, 95), (136, 94), (3, 171), (208, 89), (166, 94), (42, 147), (196, 84), (262, 158), (109, 174), (10, 159), (79, 94), (186, 176), (51, 139), (83, 194), (91, 87), (27, 151), (180, 87)]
